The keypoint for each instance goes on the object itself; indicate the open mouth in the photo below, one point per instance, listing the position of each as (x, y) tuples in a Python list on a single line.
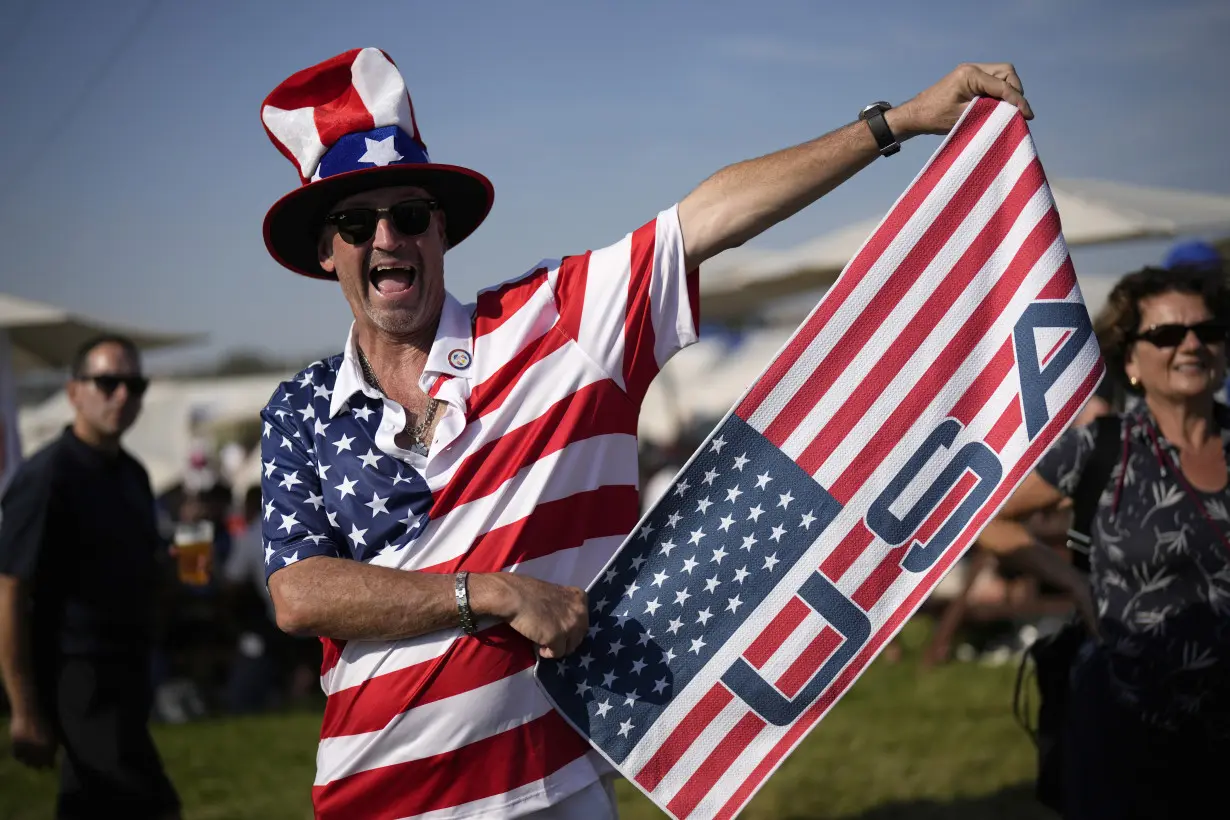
[(393, 280)]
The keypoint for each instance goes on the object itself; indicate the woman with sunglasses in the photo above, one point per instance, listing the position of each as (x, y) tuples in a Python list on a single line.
[(1146, 729)]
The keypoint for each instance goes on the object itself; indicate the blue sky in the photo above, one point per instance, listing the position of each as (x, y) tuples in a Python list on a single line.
[(135, 174)]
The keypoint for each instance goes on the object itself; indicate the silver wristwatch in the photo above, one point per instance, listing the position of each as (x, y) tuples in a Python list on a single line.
[(464, 613)]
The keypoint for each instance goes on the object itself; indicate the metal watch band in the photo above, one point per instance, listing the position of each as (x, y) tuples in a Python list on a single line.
[(464, 613)]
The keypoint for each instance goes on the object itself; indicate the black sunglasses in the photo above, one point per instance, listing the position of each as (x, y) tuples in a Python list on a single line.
[(358, 225), (108, 383), (1210, 331)]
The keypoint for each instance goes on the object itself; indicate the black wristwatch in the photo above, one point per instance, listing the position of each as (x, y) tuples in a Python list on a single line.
[(873, 115)]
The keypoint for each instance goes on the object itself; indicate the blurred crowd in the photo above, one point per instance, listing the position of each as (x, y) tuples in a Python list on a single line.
[(219, 648)]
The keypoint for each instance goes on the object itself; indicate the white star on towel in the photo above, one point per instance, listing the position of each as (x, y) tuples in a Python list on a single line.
[(380, 152), (377, 505)]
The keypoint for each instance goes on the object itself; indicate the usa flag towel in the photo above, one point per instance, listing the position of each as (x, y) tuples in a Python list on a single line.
[(833, 497)]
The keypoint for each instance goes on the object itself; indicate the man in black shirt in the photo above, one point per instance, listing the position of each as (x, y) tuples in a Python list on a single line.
[(79, 558)]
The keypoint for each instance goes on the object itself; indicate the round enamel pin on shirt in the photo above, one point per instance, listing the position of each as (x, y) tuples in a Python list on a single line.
[(459, 359)]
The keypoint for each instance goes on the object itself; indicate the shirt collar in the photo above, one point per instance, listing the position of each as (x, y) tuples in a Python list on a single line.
[(349, 378), (87, 451), (451, 354)]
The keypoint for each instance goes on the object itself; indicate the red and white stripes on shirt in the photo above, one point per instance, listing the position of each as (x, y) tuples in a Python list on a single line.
[(533, 470)]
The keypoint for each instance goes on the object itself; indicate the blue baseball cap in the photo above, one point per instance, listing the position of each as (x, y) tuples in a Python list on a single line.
[(1194, 253)]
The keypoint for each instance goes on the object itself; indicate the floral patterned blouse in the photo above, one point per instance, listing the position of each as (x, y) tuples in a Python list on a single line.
[(1160, 572)]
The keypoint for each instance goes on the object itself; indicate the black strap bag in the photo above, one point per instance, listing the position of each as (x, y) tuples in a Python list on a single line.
[(1051, 657)]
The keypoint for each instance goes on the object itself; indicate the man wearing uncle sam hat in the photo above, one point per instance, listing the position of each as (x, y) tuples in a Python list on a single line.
[(438, 494)]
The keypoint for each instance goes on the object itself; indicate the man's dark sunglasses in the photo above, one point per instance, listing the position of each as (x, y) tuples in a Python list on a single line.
[(108, 383), (1208, 332), (358, 225)]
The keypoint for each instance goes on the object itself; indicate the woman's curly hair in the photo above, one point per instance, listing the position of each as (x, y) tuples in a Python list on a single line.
[(1119, 319)]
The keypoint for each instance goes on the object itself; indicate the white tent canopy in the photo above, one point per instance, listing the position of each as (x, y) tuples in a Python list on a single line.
[(173, 414), (704, 381), (1092, 213), (46, 336)]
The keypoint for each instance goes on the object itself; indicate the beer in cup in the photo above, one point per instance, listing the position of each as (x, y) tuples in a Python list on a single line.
[(194, 551)]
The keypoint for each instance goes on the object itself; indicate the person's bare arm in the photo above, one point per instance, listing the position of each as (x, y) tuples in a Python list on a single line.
[(1007, 536), (338, 597), (745, 199), (15, 663), (33, 742), (349, 600)]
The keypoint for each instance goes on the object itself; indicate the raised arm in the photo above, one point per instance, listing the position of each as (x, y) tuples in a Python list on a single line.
[(747, 198)]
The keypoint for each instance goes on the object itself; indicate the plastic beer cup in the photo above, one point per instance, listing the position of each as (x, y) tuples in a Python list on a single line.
[(194, 551)]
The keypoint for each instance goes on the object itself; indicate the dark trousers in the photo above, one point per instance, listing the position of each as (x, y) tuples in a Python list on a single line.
[(1118, 768), (109, 765)]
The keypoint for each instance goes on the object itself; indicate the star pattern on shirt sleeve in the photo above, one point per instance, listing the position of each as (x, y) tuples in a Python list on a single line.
[(350, 499)]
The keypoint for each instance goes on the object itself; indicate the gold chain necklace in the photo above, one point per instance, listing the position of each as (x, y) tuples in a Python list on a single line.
[(417, 431)]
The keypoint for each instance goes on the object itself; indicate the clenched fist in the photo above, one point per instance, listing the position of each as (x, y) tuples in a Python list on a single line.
[(34, 744), (553, 617)]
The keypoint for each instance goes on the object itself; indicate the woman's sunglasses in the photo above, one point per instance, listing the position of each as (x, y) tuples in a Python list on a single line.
[(108, 384), (358, 225), (1208, 332)]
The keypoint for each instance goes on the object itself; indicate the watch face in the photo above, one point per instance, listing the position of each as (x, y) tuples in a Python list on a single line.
[(872, 109)]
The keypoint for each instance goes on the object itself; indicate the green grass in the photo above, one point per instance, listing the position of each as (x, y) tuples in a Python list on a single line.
[(903, 743)]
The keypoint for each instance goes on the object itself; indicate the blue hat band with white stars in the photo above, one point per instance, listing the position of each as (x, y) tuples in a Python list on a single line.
[(371, 149)]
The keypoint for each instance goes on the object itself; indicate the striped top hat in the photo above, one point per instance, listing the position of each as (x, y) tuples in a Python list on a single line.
[(348, 126)]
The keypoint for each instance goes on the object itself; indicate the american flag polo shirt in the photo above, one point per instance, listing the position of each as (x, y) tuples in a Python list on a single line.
[(533, 469)]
